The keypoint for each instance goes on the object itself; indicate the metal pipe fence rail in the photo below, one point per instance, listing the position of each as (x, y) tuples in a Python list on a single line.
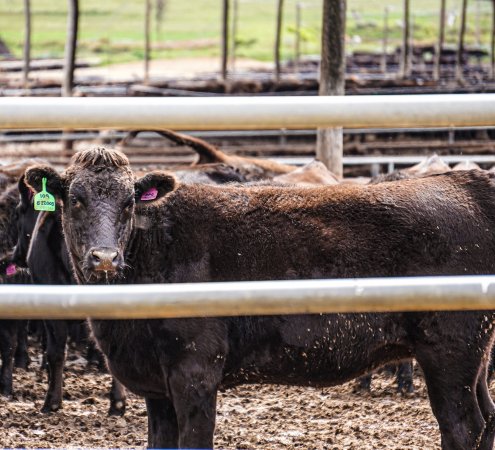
[(390, 161), (247, 298), (245, 113), (246, 134)]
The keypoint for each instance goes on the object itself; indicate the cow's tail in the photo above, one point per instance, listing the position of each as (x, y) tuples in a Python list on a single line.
[(207, 153)]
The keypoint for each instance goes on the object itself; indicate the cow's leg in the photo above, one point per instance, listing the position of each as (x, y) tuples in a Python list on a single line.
[(487, 407), (95, 357), (491, 364), (21, 357), (451, 378), (8, 344), (405, 377), (117, 399), (363, 384), (194, 395), (163, 431), (56, 340)]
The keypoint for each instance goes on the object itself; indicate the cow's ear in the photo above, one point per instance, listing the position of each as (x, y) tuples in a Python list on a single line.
[(54, 182), (154, 186), (25, 191)]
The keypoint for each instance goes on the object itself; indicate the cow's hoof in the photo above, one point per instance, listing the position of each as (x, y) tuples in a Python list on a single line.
[(406, 391), (117, 408), (22, 363), (6, 391), (49, 408)]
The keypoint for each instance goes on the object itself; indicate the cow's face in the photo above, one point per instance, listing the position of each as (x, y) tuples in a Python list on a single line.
[(99, 198)]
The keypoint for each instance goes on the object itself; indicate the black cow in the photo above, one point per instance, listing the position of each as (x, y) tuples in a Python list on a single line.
[(13, 333), (154, 229), (48, 262)]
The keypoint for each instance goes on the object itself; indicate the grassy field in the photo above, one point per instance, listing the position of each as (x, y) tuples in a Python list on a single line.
[(112, 30)]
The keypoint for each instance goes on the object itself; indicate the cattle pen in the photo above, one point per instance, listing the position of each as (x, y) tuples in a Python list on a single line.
[(252, 298), (404, 111)]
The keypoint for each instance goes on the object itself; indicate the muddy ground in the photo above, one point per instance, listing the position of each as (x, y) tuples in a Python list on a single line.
[(265, 417)]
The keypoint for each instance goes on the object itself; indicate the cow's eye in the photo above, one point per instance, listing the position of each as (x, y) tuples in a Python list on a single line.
[(129, 203), (75, 202)]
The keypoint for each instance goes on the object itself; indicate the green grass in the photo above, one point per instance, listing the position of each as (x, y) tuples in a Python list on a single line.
[(112, 30)]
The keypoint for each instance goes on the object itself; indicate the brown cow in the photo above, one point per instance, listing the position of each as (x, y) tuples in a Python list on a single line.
[(432, 165), (155, 229), (250, 169), (313, 174)]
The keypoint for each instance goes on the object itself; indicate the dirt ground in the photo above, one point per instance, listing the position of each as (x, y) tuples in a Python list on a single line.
[(267, 417), (160, 68)]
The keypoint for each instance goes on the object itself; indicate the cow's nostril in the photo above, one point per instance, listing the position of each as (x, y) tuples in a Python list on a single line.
[(104, 259)]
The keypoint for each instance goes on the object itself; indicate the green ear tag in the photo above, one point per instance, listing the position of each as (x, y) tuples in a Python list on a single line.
[(44, 201)]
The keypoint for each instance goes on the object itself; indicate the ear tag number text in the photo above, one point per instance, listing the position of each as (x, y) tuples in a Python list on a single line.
[(44, 201)]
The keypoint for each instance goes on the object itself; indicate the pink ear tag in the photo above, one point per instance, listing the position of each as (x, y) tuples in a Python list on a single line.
[(150, 194), (11, 270)]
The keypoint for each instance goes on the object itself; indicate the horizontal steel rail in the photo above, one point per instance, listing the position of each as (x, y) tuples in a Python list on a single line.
[(89, 135), (248, 298), (389, 159), (244, 113)]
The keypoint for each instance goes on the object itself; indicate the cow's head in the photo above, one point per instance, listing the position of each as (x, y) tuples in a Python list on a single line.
[(99, 195)]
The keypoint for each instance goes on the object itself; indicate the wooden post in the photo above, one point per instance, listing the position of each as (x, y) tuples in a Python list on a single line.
[(225, 38), (477, 31), (385, 39), (492, 68), (330, 142), (405, 62), (297, 45), (460, 49), (235, 22), (70, 56), (278, 35), (27, 43), (70, 47), (147, 20), (441, 40), (159, 14)]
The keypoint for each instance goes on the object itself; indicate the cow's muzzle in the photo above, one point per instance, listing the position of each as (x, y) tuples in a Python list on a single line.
[(104, 259)]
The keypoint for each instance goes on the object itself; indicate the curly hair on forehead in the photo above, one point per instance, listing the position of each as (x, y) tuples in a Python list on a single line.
[(99, 158)]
